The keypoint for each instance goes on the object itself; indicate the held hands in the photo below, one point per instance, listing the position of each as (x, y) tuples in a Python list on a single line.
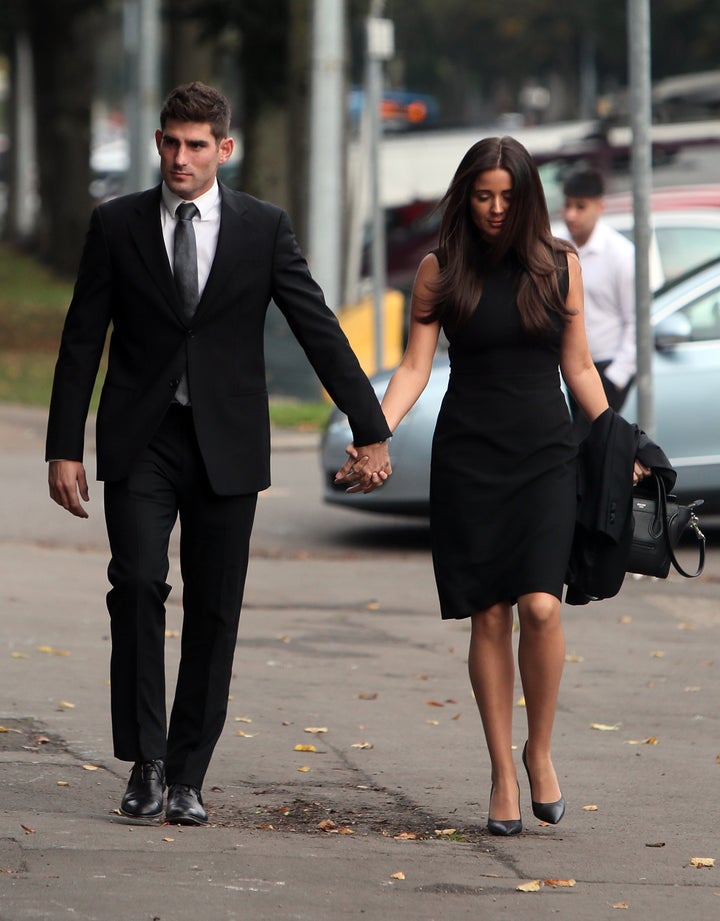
[(68, 484), (366, 468)]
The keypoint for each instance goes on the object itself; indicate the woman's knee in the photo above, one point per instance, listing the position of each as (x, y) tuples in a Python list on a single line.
[(493, 622), (539, 610)]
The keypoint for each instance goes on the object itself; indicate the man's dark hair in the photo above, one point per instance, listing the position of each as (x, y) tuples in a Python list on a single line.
[(585, 184), (197, 102)]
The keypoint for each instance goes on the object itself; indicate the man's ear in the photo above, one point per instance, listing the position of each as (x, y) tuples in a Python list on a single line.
[(226, 147)]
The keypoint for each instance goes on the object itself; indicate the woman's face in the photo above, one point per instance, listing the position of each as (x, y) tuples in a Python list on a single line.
[(490, 199)]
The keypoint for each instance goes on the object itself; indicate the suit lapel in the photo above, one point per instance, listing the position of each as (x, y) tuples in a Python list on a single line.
[(233, 230), (145, 230)]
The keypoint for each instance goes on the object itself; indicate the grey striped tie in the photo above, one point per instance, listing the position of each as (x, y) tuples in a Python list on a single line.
[(185, 269)]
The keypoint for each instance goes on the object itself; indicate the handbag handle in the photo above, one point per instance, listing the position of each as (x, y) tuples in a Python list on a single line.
[(693, 523)]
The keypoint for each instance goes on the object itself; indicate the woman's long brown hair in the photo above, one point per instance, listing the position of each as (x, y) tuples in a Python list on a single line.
[(465, 257)]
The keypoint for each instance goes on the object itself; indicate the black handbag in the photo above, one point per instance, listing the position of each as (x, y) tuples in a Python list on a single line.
[(658, 524)]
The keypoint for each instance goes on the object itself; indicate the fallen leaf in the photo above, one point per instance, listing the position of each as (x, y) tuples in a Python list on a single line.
[(367, 696), (316, 729), (42, 740), (326, 825), (559, 883), (19, 655), (692, 689), (304, 769), (406, 836), (362, 745), (590, 808), (625, 619), (50, 651), (168, 839), (27, 830), (572, 658), (604, 727), (283, 638), (457, 716), (445, 832), (520, 702), (66, 705), (702, 862), (657, 654), (656, 844), (63, 783), (243, 719), (245, 735), (345, 831), (651, 740), (434, 703), (305, 748), (433, 722), (372, 606), (266, 826), (686, 626), (621, 905), (533, 886), (90, 767), (398, 875)]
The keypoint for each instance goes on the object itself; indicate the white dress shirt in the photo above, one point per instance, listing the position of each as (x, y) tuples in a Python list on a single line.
[(206, 226), (608, 269)]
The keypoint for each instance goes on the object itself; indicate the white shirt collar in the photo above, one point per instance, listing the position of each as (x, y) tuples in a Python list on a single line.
[(204, 203)]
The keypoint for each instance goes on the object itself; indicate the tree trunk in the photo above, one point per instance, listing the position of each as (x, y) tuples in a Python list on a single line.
[(63, 34)]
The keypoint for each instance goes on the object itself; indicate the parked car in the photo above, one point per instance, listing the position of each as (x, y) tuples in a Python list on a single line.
[(686, 384), (684, 228)]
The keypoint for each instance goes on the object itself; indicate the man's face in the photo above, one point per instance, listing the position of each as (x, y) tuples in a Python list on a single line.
[(581, 215), (190, 156)]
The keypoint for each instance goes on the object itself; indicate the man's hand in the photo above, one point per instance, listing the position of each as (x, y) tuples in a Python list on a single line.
[(367, 467), (68, 484)]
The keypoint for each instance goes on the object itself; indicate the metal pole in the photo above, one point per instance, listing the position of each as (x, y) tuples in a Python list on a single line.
[(380, 41), (638, 12), (23, 190), (141, 27), (326, 147)]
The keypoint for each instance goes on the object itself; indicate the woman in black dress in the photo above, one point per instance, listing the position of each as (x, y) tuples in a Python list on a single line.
[(508, 296)]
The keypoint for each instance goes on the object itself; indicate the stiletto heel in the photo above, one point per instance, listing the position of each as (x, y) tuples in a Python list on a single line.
[(504, 827), (546, 812)]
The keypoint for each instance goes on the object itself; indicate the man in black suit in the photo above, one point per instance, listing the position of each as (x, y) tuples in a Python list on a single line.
[(183, 429)]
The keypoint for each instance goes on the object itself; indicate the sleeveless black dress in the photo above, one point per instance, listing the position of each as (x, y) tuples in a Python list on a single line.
[(503, 479)]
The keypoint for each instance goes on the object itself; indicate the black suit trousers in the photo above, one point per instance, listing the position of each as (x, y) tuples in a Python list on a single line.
[(169, 480)]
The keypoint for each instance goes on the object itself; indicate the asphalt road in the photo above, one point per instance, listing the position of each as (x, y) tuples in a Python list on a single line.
[(340, 633)]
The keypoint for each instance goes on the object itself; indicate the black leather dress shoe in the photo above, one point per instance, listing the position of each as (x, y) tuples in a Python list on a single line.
[(185, 806), (144, 795)]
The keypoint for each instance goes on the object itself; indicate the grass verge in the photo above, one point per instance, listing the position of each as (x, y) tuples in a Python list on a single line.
[(33, 303)]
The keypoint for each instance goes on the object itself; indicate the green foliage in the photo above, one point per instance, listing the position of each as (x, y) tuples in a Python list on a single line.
[(33, 303)]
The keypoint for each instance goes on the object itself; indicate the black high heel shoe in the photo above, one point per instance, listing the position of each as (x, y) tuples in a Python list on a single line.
[(504, 827), (546, 812)]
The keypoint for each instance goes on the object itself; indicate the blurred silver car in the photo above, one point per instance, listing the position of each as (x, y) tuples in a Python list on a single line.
[(684, 228), (686, 383)]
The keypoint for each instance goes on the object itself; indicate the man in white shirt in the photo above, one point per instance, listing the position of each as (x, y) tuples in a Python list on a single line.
[(607, 259)]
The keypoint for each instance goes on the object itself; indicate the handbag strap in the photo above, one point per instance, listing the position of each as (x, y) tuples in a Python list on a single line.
[(694, 523)]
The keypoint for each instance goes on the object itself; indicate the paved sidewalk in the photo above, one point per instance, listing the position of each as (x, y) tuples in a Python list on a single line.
[(352, 647)]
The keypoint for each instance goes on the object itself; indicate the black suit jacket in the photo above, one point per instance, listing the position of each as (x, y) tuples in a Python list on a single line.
[(604, 523), (125, 280)]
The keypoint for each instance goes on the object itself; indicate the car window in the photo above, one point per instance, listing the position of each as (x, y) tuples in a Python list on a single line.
[(683, 248), (704, 317)]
